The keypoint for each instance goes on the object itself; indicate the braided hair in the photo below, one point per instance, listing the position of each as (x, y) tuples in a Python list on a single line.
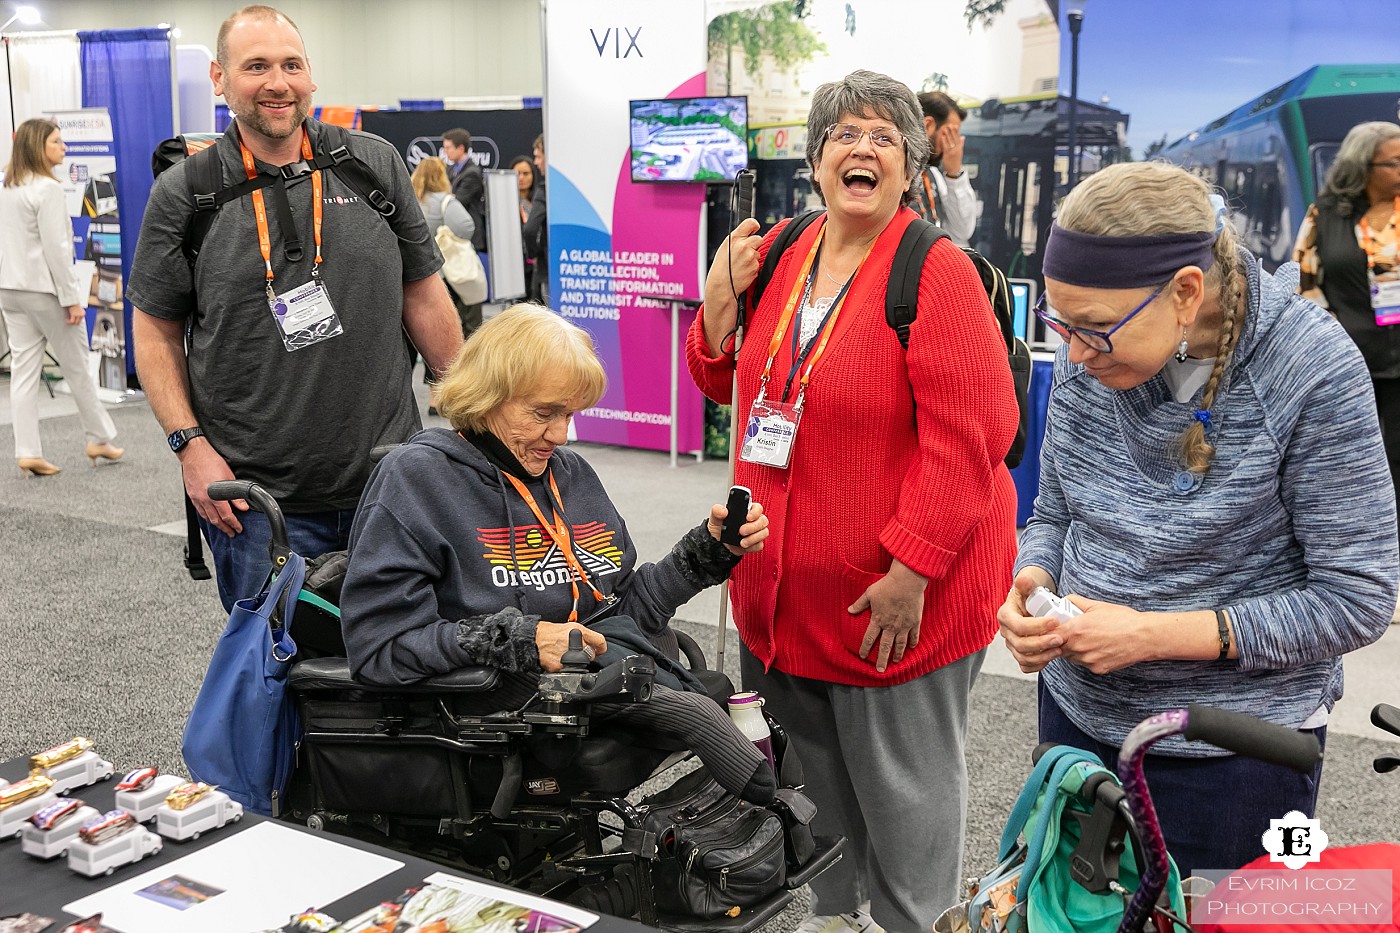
[(1156, 198)]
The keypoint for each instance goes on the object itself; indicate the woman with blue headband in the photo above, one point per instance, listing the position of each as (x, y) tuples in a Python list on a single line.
[(1214, 499)]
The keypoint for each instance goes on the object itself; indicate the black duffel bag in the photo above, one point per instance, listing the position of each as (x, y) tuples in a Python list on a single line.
[(715, 851)]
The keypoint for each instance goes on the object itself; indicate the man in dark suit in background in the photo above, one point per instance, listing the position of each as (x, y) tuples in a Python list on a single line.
[(469, 187), (468, 184)]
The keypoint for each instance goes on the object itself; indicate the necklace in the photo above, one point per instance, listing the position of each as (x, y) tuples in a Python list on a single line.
[(834, 279)]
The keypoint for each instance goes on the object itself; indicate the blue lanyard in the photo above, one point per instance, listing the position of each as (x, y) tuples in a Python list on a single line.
[(798, 359)]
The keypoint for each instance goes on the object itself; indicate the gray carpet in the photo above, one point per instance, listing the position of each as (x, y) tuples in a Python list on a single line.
[(102, 634)]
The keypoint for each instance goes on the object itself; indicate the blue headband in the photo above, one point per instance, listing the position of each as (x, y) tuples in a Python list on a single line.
[(1091, 261)]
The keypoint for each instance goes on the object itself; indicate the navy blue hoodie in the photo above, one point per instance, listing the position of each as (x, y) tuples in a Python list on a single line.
[(449, 568)]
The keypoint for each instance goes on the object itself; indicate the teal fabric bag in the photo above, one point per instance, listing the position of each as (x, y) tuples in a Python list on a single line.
[(1032, 880)]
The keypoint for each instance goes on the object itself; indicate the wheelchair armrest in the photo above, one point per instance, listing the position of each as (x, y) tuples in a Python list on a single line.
[(322, 674)]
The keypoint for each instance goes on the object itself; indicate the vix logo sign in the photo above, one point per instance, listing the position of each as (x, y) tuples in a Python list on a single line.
[(613, 36), (1295, 840)]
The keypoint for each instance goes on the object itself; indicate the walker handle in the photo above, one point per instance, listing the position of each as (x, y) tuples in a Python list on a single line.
[(1253, 738)]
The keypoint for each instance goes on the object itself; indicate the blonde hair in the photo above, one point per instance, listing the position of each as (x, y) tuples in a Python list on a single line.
[(507, 357), (28, 158), (1154, 198), (429, 175)]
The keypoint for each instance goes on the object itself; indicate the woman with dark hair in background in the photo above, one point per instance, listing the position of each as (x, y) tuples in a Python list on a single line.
[(527, 183), (1346, 253), (537, 229), (42, 301)]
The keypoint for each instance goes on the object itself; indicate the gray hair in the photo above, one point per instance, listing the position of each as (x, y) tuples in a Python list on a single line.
[(869, 95), (1346, 179)]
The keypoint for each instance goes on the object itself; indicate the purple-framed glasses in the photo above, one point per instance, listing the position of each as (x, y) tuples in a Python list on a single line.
[(1097, 340)]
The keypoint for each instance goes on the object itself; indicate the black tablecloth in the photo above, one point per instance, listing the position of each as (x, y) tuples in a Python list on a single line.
[(43, 887)]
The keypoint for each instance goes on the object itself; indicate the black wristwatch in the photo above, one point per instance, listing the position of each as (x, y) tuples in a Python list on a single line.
[(178, 439)]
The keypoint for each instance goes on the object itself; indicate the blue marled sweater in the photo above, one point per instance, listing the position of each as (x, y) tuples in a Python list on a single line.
[(1292, 530)]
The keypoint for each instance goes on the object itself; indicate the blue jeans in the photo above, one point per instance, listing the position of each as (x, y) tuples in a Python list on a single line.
[(242, 563), (1213, 811)]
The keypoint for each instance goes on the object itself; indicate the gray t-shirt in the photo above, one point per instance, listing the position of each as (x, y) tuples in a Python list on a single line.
[(300, 423)]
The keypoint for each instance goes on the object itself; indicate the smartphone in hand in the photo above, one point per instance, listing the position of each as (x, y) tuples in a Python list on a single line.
[(738, 505)]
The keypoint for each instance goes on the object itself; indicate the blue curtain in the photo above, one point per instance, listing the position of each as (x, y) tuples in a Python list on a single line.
[(128, 71)]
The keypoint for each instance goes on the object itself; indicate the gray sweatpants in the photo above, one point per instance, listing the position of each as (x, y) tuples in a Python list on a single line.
[(885, 767)]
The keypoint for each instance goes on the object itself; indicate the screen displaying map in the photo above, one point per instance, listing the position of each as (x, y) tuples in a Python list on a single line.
[(702, 139)]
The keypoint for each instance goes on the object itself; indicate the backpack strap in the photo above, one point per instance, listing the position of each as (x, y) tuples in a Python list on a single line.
[(330, 152), (194, 544), (902, 293), (1030, 791), (785, 238)]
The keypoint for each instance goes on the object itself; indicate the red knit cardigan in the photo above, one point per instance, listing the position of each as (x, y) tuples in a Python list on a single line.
[(898, 454)]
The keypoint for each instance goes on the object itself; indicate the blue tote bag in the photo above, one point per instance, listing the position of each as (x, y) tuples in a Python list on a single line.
[(243, 730)]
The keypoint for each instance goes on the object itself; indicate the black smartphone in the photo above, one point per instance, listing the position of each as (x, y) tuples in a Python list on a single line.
[(738, 505)]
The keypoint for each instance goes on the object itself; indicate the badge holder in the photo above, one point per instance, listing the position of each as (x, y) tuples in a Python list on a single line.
[(771, 432), (304, 314), (1385, 297)]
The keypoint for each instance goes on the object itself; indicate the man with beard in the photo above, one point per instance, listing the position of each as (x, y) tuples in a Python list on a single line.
[(943, 192), (296, 310)]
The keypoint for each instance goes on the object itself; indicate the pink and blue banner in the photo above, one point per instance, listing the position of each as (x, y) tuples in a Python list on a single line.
[(621, 253)]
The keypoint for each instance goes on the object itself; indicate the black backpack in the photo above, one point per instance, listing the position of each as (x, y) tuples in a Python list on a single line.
[(205, 182), (902, 301)]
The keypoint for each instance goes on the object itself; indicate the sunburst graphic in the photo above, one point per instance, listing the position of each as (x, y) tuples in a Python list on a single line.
[(534, 550)]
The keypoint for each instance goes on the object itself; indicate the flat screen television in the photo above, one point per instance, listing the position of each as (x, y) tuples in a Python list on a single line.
[(689, 139)]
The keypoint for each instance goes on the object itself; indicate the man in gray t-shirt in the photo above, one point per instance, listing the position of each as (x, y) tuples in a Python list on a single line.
[(288, 380)]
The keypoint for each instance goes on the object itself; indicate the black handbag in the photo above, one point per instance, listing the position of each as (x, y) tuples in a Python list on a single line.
[(715, 851)]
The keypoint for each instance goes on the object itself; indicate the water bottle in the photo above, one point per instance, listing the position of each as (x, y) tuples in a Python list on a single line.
[(746, 709), (1043, 603)]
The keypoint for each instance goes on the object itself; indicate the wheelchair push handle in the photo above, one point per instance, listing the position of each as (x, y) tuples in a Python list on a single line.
[(259, 498), (1253, 738)]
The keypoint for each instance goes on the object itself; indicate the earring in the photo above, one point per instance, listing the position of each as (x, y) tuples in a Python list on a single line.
[(1181, 348)]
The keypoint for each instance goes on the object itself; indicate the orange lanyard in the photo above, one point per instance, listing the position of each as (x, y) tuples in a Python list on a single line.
[(1367, 243), (928, 190), (559, 533), (260, 209), (524, 215), (800, 287)]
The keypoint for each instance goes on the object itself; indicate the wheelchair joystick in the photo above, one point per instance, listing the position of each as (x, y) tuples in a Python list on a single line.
[(577, 658)]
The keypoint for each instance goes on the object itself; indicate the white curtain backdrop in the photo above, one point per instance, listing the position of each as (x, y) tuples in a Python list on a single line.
[(44, 74)]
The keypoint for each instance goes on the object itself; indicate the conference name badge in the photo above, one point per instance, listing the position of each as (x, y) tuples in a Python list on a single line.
[(305, 316), (1385, 298), (770, 434)]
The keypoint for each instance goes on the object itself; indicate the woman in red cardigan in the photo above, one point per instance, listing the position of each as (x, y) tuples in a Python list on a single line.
[(892, 517)]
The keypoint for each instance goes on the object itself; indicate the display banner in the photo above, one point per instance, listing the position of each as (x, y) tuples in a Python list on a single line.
[(88, 176), (497, 135), (621, 252)]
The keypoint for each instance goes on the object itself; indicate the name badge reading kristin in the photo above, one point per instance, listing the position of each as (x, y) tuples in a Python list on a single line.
[(304, 316), (770, 434), (1385, 297)]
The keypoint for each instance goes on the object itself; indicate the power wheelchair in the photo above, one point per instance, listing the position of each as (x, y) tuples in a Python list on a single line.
[(536, 798)]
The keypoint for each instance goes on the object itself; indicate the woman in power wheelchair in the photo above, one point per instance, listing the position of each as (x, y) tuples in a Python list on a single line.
[(487, 568)]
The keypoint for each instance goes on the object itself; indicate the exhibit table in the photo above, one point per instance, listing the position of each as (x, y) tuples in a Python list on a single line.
[(254, 843)]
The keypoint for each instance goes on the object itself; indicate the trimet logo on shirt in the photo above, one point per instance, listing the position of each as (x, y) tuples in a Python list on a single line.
[(341, 199), (538, 561), (1295, 840)]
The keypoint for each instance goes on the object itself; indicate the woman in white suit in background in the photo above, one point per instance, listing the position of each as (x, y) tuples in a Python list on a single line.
[(42, 302)]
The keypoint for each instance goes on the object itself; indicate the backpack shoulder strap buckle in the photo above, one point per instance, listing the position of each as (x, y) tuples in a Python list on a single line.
[(380, 203), (295, 170), (206, 202)]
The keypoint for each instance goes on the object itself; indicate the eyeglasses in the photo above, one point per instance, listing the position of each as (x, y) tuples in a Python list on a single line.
[(1393, 164), (848, 134), (1097, 340)]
